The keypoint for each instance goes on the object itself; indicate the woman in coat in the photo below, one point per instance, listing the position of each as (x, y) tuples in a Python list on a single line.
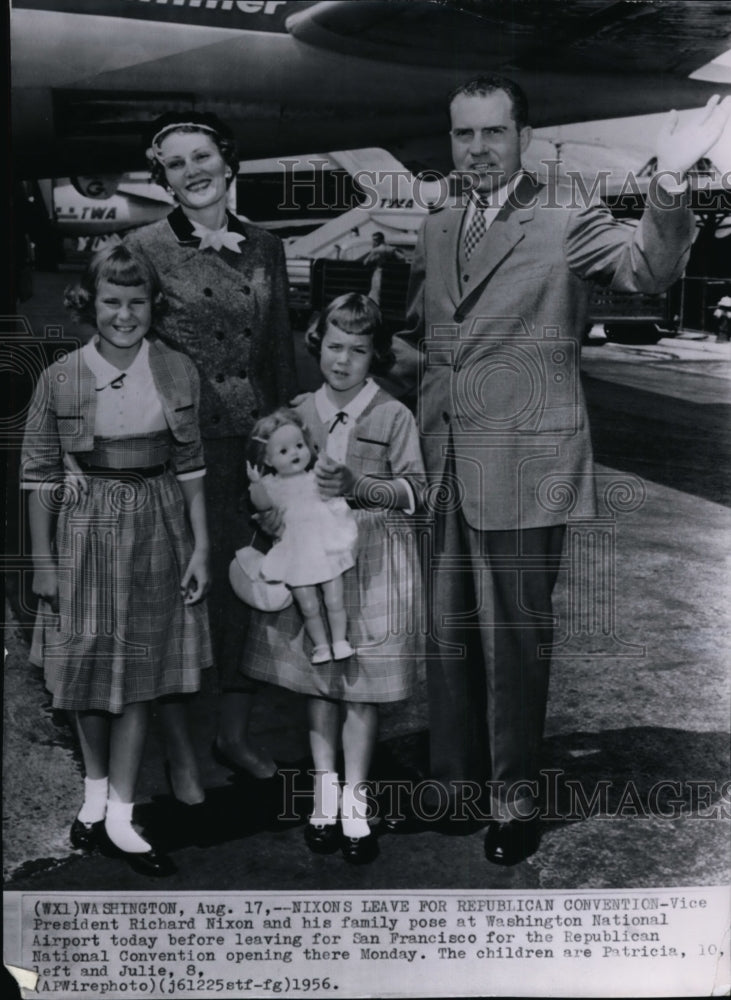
[(226, 284)]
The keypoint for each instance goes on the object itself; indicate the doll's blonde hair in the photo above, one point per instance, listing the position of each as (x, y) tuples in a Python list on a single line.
[(266, 426)]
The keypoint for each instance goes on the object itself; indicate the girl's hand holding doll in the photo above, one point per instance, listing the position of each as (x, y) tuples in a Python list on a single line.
[(333, 478)]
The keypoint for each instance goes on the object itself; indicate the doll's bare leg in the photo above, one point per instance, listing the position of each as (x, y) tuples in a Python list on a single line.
[(337, 617), (360, 728), (309, 604)]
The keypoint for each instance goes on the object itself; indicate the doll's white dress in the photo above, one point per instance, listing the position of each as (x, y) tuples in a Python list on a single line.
[(319, 536)]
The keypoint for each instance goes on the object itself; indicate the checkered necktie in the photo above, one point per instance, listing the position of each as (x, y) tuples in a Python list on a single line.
[(477, 227)]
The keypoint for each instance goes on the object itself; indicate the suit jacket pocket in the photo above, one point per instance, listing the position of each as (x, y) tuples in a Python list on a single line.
[(184, 423), (369, 455)]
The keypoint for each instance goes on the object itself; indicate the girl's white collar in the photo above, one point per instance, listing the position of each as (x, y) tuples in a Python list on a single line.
[(326, 410)]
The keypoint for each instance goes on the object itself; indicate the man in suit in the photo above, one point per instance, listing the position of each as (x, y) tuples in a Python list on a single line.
[(498, 304)]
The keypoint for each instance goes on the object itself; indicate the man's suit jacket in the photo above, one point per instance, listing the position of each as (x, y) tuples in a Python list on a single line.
[(498, 385)]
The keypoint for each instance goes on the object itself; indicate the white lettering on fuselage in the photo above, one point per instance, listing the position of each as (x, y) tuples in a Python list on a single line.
[(243, 6)]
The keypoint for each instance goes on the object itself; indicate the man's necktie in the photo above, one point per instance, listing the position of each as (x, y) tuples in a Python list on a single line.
[(217, 238), (476, 229)]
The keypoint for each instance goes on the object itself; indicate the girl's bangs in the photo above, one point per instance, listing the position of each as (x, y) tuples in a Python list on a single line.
[(349, 320), (124, 272)]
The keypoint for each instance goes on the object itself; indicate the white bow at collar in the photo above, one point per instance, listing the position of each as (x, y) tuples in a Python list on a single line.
[(217, 238)]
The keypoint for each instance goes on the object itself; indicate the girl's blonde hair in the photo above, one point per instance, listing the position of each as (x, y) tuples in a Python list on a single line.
[(263, 430), (118, 265)]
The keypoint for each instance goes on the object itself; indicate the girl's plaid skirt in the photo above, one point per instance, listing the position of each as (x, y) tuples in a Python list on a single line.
[(383, 597), (122, 634)]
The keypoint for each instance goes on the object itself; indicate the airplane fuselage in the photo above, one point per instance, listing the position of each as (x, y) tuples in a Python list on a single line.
[(88, 74)]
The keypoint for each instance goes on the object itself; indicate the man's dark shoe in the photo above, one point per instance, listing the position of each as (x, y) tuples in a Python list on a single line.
[(512, 842)]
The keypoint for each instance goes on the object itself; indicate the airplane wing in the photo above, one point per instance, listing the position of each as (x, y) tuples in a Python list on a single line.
[(296, 77), (580, 36)]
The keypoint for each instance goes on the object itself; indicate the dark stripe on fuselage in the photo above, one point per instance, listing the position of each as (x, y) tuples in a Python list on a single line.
[(248, 15)]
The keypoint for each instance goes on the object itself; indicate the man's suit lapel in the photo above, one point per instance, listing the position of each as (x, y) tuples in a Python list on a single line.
[(450, 225), (501, 238)]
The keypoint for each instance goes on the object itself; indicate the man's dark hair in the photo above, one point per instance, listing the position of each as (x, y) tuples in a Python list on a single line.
[(481, 86)]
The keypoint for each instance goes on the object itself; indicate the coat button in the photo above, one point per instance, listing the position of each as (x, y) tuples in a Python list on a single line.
[(219, 378), (219, 334), (247, 331), (242, 373), (208, 292), (465, 277), (246, 290)]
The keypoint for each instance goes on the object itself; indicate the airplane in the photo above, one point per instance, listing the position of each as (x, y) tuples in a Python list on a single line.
[(296, 76)]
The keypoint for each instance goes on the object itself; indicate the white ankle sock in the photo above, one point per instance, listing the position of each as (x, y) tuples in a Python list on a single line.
[(95, 800), (118, 824), (354, 811), (326, 799)]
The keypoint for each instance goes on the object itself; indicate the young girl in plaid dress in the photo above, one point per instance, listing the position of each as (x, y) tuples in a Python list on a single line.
[(124, 572), (369, 453)]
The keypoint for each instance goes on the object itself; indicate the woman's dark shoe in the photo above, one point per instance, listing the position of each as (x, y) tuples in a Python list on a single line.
[(322, 839), (360, 850), (86, 836), (221, 757), (171, 786)]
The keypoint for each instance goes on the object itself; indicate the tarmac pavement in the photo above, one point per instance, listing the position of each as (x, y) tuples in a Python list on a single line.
[(642, 699)]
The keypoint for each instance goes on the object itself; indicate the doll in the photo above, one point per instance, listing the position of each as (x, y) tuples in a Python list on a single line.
[(319, 536)]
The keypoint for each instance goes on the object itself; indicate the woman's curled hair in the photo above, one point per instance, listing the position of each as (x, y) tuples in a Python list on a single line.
[(190, 122)]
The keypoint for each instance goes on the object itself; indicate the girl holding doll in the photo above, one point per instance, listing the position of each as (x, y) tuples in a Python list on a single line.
[(125, 567), (316, 546), (369, 454)]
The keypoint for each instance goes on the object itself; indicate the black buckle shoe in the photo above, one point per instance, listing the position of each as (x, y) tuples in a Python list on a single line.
[(86, 836), (322, 839), (152, 863), (360, 850)]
